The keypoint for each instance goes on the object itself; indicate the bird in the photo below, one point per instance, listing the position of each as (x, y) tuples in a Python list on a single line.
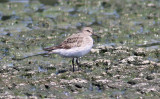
[(75, 46)]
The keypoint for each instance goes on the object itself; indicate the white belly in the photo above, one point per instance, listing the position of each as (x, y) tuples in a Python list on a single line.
[(74, 52)]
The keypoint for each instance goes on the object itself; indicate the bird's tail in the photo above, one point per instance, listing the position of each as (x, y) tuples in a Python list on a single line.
[(51, 48), (48, 49)]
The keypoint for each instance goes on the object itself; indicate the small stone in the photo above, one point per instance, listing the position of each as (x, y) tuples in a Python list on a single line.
[(151, 5), (146, 62), (103, 81), (150, 77), (140, 52), (139, 85), (53, 83), (107, 62), (95, 51)]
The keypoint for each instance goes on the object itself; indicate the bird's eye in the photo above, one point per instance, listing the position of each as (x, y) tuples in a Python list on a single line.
[(88, 30)]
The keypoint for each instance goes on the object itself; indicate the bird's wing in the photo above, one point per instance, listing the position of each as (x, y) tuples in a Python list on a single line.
[(74, 40)]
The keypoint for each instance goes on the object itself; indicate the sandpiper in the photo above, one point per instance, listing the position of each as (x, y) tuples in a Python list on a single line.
[(75, 46)]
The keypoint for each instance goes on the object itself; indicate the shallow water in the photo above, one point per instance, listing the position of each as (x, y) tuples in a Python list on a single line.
[(27, 26)]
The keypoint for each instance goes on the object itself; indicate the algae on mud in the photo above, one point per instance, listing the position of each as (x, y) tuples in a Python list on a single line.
[(125, 66)]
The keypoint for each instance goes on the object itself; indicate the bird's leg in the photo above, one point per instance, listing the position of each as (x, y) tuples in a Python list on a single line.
[(73, 64), (77, 63)]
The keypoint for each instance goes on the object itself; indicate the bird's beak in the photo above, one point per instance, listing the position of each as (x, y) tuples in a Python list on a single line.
[(95, 35)]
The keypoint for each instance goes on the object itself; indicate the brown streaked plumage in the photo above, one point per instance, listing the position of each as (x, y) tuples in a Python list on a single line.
[(70, 42)]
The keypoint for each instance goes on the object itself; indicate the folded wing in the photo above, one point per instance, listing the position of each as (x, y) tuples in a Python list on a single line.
[(74, 40)]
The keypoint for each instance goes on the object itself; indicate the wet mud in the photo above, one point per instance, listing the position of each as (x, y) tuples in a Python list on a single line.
[(124, 62)]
